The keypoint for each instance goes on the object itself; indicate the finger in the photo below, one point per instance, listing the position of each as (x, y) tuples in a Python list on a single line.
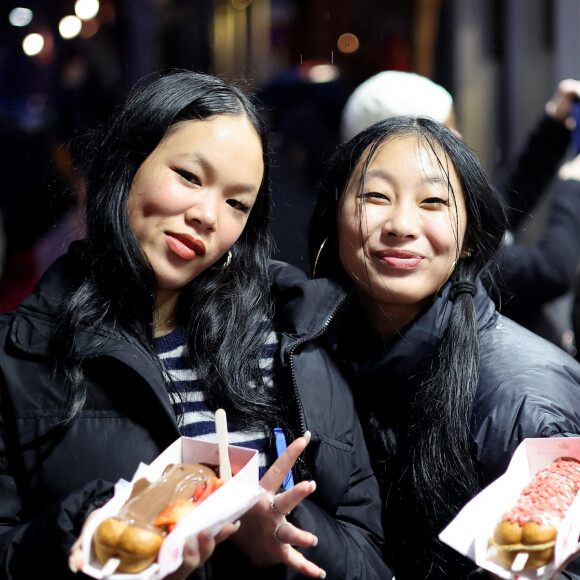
[(286, 501), (227, 531), (298, 561), (76, 560), (290, 534), (206, 543), (275, 476)]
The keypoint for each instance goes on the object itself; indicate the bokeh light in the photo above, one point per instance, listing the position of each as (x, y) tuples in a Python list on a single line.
[(87, 9), (20, 17), (347, 43), (241, 4), (33, 44), (70, 26), (323, 73)]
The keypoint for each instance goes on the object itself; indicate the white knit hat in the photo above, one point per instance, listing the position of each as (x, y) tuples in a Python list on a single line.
[(391, 93)]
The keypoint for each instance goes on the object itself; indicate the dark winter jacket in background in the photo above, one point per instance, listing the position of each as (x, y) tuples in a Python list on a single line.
[(52, 475), (534, 274)]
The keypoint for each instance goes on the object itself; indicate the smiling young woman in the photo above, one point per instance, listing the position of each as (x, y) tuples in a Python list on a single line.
[(401, 231), (445, 386), (190, 201), (166, 312)]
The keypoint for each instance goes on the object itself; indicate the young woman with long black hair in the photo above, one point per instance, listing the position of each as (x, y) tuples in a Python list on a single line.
[(164, 313), (408, 224)]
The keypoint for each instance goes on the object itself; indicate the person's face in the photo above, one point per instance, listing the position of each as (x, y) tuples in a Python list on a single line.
[(400, 244), (190, 199)]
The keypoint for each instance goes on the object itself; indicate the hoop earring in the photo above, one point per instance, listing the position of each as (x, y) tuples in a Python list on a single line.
[(228, 261), (446, 277), (318, 256)]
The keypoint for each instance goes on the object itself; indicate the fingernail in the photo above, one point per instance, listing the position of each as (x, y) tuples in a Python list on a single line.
[(237, 526), (71, 565), (307, 436), (315, 542), (322, 574), (312, 486)]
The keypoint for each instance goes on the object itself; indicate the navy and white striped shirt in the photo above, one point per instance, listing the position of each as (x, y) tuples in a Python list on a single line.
[(193, 416)]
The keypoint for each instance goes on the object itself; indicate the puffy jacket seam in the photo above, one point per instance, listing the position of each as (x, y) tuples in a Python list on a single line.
[(334, 443)]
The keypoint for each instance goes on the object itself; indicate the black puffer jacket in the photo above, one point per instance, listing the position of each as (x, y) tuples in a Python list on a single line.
[(528, 388), (51, 476)]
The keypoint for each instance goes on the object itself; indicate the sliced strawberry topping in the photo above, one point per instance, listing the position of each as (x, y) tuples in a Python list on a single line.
[(174, 513), (181, 508)]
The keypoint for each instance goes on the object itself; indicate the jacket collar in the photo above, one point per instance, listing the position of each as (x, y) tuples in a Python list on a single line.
[(304, 307), (406, 354)]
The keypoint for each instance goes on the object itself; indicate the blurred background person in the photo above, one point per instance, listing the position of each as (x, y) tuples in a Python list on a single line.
[(303, 106)]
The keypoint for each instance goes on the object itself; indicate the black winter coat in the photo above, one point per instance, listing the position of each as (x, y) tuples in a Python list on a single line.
[(528, 388), (51, 476)]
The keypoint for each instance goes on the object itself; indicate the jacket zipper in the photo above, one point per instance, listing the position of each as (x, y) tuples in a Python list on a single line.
[(310, 338)]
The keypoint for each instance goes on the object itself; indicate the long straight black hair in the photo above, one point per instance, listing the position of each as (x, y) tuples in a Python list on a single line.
[(430, 461), (224, 310)]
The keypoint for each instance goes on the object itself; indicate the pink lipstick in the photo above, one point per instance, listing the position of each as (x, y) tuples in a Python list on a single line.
[(399, 258), (184, 246)]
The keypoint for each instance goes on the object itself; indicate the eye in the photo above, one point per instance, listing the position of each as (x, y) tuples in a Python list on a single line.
[(373, 196), (188, 176), (239, 205), (435, 201)]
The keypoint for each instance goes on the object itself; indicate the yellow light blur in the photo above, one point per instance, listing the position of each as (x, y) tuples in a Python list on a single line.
[(33, 44), (241, 4), (87, 9), (70, 26), (347, 43), (323, 73), (20, 17)]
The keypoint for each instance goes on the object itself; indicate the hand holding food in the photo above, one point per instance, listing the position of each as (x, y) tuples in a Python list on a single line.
[(527, 532), (135, 535)]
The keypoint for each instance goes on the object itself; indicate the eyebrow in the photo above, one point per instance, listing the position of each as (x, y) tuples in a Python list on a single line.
[(386, 176), (200, 159)]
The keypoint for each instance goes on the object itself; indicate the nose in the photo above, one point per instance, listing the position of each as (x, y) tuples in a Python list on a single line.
[(401, 221), (203, 211)]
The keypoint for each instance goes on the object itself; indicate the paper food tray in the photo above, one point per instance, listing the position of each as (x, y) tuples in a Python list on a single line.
[(470, 531), (227, 504)]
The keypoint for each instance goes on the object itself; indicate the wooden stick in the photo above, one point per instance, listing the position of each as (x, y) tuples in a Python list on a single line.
[(110, 567), (519, 562), (221, 427)]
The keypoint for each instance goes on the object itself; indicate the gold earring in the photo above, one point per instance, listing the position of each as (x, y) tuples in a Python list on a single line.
[(318, 256), (447, 277), (226, 263), (228, 260), (466, 253)]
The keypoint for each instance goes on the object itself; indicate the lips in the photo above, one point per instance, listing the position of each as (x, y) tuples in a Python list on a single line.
[(399, 258), (184, 246)]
